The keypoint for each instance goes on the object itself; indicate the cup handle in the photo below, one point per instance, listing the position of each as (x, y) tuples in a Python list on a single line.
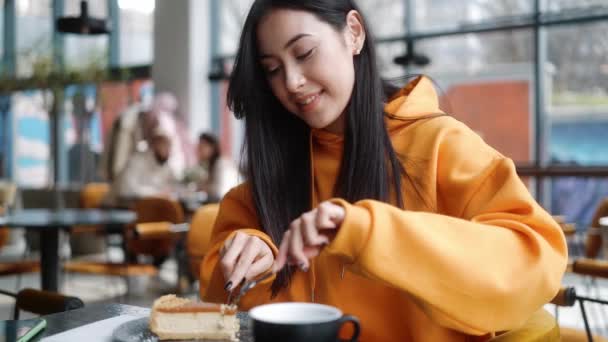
[(355, 321)]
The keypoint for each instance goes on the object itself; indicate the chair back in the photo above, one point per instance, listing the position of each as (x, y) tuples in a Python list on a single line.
[(44, 302), (541, 326), (8, 193), (593, 241), (4, 236), (154, 209), (4, 232), (158, 209), (199, 236), (92, 195)]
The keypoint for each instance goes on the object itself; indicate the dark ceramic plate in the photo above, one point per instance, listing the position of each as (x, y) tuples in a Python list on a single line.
[(137, 331)]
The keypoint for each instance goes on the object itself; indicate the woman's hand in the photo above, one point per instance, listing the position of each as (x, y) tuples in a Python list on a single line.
[(244, 257), (304, 240)]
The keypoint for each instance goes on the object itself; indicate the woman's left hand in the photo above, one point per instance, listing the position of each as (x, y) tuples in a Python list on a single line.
[(304, 240)]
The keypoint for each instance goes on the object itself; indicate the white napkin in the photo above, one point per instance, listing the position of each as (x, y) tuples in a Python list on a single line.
[(100, 331)]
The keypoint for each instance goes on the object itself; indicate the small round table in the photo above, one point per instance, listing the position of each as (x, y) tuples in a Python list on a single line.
[(49, 222)]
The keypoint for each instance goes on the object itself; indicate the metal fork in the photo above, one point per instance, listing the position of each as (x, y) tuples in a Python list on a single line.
[(248, 285)]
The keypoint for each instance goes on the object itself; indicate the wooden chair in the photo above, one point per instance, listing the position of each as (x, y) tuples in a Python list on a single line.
[(159, 245), (590, 268), (149, 210), (7, 195), (42, 302), (540, 327), (585, 267), (19, 267), (567, 296), (90, 239), (91, 197), (199, 236), (573, 239), (593, 242)]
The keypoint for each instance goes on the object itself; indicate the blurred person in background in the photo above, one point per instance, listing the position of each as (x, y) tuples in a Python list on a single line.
[(213, 174), (147, 172), (131, 133)]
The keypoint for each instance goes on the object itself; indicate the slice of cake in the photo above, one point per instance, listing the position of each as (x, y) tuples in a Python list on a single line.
[(176, 318)]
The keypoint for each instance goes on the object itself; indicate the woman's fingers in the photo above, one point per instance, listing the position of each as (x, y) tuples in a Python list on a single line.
[(296, 246), (260, 266), (302, 241), (329, 215), (226, 246), (251, 250), (232, 253), (311, 252), (310, 234), (282, 256)]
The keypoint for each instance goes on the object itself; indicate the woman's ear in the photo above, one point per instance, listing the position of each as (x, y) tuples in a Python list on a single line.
[(355, 32)]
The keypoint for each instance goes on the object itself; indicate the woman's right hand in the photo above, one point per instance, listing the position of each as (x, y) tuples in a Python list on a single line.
[(244, 257)]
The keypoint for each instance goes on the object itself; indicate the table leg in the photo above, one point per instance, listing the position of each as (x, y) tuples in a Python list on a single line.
[(49, 259)]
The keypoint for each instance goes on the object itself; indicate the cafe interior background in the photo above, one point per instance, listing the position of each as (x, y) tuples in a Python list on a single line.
[(529, 76)]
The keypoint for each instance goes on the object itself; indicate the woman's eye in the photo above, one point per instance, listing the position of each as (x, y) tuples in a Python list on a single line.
[(272, 71), (306, 55)]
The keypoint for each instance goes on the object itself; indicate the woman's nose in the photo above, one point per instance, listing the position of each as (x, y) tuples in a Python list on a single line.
[(294, 80)]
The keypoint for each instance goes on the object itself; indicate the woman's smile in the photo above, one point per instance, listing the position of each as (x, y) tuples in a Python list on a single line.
[(308, 103)]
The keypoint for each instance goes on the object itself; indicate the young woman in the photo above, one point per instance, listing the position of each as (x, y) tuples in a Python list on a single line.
[(213, 173), (377, 203)]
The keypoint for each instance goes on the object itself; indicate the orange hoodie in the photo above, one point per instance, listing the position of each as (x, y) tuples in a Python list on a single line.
[(472, 254)]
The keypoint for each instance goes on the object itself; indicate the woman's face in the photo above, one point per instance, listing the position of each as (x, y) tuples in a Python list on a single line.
[(309, 66), (205, 151)]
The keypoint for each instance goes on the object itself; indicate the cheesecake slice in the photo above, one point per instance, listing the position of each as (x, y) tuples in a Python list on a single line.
[(176, 318)]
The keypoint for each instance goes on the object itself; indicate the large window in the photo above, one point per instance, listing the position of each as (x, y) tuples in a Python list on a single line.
[(1, 32), (82, 51), (34, 30), (386, 17), (578, 93), (136, 32), (490, 88), (232, 13), (557, 5), (449, 14), (577, 114)]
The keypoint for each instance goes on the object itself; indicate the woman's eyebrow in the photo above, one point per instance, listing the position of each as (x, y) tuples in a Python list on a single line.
[(289, 42)]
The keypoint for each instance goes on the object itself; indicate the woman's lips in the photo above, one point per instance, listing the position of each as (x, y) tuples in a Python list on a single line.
[(308, 103)]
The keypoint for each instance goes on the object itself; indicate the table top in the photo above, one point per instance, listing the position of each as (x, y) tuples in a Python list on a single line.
[(91, 313), (44, 218)]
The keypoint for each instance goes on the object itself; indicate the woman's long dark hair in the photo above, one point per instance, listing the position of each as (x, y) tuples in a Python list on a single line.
[(277, 142)]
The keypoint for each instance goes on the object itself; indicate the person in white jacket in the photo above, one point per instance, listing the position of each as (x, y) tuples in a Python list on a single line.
[(131, 134), (147, 172)]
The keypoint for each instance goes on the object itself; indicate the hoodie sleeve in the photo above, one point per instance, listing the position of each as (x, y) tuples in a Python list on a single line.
[(236, 214), (488, 259)]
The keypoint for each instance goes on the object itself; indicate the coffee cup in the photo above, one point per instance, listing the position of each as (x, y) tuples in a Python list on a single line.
[(296, 322)]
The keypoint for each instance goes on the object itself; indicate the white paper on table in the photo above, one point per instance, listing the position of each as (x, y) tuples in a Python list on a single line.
[(100, 331)]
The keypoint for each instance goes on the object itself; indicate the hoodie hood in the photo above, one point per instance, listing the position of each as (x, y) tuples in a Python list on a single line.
[(418, 99)]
